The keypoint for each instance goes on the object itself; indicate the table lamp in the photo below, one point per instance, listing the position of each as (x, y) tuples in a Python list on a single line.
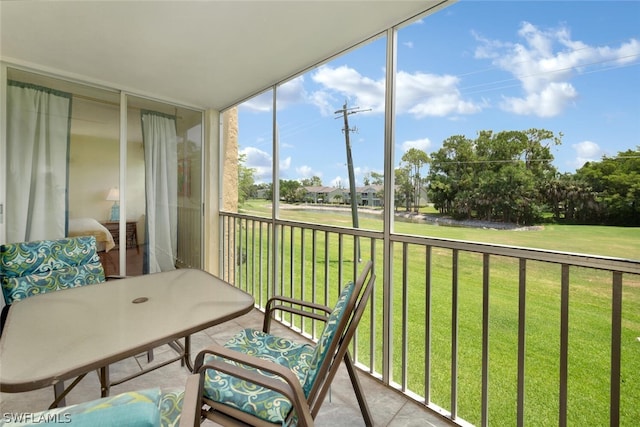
[(114, 196)]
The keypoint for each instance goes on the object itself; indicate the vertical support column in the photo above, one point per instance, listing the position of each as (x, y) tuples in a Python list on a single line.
[(387, 273), (454, 334), (484, 416), (275, 193), (522, 328), (564, 345), (427, 327), (122, 184), (616, 349), (222, 186), (405, 317), (3, 156)]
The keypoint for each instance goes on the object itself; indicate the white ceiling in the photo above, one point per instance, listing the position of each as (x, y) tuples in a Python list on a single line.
[(205, 54)]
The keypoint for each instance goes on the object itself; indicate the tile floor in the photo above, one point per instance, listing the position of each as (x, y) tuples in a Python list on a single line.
[(388, 407)]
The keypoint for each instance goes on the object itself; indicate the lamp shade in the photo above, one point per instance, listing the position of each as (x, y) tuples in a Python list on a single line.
[(114, 195)]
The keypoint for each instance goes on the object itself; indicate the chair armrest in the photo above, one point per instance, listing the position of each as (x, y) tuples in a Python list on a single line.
[(295, 306), (290, 388), (192, 402)]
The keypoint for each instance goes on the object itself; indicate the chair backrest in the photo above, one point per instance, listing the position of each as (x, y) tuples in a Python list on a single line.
[(334, 340), (328, 336), (40, 266)]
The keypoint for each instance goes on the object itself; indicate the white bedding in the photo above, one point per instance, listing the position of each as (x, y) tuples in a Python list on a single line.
[(91, 227)]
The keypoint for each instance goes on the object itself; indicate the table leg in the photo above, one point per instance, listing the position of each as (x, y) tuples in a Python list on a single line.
[(59, 395), (187, 353), (61, 392), (104, 381)]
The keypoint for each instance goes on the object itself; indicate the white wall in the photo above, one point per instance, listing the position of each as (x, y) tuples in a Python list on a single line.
[(93, 170)]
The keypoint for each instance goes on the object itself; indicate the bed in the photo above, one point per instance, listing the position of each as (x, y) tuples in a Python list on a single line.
[(91, 227)]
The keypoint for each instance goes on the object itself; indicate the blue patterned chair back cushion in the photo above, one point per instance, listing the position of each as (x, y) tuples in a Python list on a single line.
[(31, 268), (327, 337)]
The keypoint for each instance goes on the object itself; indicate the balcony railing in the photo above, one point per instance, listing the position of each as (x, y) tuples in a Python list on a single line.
[(480, 333)]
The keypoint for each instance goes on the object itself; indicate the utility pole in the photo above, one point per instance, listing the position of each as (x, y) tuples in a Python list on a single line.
[(346, 112)]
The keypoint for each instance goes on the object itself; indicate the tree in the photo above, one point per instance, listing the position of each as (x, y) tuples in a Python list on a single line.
[(415, 160), (268, 190), (451, 169), (497, 176), (314, 181), (289, 190), (245, 179), (616, 184), (404, 189), (373, 178)]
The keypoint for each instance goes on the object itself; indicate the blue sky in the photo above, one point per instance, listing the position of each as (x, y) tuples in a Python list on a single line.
[(570, 67)]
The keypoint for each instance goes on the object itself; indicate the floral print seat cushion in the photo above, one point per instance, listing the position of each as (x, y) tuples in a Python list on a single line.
[(36, 267), (151, 407), (303, 359)]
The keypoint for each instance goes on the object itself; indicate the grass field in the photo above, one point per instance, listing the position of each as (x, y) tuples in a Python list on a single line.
[(589, 331)]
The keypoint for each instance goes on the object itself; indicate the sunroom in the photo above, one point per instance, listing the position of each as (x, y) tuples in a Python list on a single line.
[(165, 107)]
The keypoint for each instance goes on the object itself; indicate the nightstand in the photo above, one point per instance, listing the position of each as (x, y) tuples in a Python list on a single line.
[(132, 232)]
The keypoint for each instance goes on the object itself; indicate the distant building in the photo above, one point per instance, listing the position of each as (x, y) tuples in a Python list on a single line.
[(366, 196), (370, 195), (323, 194)]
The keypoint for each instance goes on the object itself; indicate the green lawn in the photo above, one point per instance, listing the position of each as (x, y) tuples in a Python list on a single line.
[(622, 242), (590, 302)]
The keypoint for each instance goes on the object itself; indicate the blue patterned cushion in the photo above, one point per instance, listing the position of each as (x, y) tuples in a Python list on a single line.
[(31, 268), (135, 408), (302, 359), (248, 397), (327, 337), (171, 407)]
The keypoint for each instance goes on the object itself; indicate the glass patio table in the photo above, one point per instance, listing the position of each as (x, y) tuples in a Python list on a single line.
[(60, 335)]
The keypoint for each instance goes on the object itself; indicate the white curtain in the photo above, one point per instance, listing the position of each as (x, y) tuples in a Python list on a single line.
[(38, 131), (161, 184)]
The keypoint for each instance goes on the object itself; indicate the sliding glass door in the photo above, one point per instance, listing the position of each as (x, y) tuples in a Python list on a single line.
[(66, 162), (62, 142), (164, 191)]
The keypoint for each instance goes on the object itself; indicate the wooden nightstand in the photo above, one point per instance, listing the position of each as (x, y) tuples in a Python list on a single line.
[(132, 232)]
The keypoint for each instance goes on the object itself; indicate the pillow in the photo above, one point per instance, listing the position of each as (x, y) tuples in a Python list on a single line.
[(138, 414), (130, 409)]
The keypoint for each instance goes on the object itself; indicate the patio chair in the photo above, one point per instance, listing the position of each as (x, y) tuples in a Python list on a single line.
[(40, 266), (260, 379), (149, 407)]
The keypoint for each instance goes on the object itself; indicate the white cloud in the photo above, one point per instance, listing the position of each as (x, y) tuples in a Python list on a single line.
[(362, 91), (408, 44), (544, 63), (339, 182), (421, 144), (549, 102), (586, 151), (261, 103), (418, 94), (260, 162), (306, 171), (323, 100), (285, 164), (289, 93)]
